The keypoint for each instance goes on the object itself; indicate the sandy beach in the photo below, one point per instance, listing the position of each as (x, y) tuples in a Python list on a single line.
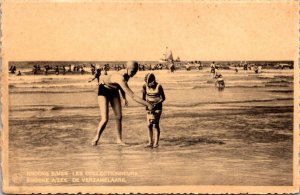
[(242, 135)]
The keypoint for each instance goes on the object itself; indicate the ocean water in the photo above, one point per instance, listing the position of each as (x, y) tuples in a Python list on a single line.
[(242, 135)]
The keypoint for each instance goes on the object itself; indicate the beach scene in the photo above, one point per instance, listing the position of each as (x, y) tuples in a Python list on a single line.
[(241, 134)]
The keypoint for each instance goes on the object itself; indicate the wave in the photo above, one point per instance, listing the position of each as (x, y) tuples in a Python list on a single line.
[(228, 102), (63, 85), (166, 106), (230, 86), (204, 114), (277, 85), (279, 81), (50, 108), (190, 141), (281, 91), (248, 111), (57, 108), (56, 92)]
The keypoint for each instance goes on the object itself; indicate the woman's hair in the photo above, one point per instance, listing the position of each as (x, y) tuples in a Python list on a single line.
[(149, 78)]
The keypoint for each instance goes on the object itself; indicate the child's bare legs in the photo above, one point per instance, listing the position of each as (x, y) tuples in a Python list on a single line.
[(150, 135), (157, 134)]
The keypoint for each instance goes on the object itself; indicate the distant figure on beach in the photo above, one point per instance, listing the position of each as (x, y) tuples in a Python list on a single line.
[(64, 70), (187, 67), (93, 69), (108, 92), (154, 94), (47, 68), (172, 67), (217, 73), (105, 69), (19, 73), (81, 70), (212, 67), (245, 66), (249, 67), (236, 68), (35, 69), (200, 66), (12, 69), (70, 68), (256, 69), (98, 73), (219, 79), (57, 70)]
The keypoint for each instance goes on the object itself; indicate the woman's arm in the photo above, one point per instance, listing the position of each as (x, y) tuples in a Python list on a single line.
[(92, 79), (123, 84), (124, 96)]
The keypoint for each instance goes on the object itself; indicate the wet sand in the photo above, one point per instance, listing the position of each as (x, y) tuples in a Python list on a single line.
[(242, 135)]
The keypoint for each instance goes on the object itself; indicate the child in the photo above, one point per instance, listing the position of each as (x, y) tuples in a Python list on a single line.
[(154, 94)]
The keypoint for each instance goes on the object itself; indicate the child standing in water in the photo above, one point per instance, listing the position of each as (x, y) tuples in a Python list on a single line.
[(154, 94)]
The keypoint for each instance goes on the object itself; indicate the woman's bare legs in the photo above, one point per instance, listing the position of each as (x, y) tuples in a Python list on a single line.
[(103, 105), (117, 108)]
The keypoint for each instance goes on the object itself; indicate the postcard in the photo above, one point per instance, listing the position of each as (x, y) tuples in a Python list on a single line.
[(150, 96)]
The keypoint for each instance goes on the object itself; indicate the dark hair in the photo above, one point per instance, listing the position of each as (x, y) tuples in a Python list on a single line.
[(150, 77)]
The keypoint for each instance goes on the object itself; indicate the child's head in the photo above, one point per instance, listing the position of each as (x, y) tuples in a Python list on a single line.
[(150, 79)]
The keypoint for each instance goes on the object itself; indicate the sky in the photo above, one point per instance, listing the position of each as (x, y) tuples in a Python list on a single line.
[(193, 30)]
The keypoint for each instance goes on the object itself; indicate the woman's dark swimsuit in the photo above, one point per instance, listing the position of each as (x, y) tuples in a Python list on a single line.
[(110, 91), (107, 92)]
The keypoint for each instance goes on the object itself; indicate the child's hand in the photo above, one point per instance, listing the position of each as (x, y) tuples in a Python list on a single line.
[(150, 107), (125, 102), (154, 105)]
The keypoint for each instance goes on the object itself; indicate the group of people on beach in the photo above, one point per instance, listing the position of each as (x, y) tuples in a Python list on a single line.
[(109, 89), (219, 80), (62, 69)]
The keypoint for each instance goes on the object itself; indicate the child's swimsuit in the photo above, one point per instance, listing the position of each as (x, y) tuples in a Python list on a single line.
[(152, 96)]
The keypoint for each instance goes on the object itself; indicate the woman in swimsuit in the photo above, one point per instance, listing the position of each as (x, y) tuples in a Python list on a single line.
[(108, 92)]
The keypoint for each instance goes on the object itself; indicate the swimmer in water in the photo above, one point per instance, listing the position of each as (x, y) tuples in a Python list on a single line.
[(236, 68), (153, 93), (108, 92), (219, 78), (217, 73), (256, 69), (212, 67)]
